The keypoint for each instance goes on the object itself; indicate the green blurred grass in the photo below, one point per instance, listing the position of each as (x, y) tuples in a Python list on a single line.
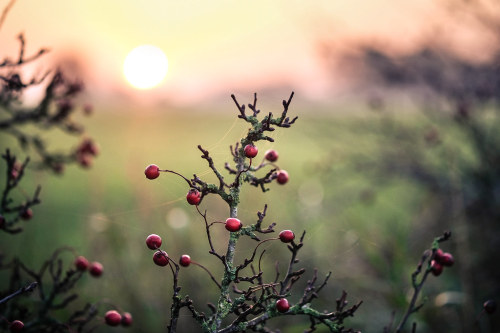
[(351, 212)]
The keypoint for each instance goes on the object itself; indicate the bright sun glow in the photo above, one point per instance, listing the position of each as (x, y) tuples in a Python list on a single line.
[(145, 66)]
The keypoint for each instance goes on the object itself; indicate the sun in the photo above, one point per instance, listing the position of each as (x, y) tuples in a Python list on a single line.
[(145, 66)]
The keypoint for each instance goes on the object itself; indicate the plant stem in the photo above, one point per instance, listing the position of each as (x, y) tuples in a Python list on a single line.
[(229, 272), (176, 301), (411, 307), (23, 290)]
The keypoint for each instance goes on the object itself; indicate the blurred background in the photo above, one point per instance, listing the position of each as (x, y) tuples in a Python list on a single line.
[(396, 142)]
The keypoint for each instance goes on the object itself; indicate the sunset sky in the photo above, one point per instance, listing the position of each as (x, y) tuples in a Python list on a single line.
[(213, 47)]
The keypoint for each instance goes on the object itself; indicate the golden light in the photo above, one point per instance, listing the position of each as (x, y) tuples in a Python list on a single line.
[(145, 66)]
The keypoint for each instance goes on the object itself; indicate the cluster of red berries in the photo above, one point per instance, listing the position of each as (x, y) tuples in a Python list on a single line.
[(160, 257), (86, 151), (114, 318), (272, 156), (82, 264), (440, 260), (251, 151), (193, 196)]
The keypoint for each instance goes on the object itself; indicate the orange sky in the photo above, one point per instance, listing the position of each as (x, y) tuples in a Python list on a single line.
[(213, 47)]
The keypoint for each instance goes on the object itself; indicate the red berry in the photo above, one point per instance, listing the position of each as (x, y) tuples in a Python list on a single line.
[(233, 224), (271, 155), (113, 318), (16, 326), (152, 171), (250, 151), (286, 236), (193, 197), (88, 147), (436, 268), (81, 263), (490, 306), (126, 319), (185, 260), (27, 214), (93, 149), (282, 305), (84, 160), (447, 259), (161, 258), (95, 269), (282, 177), (153, 241), (438, 254)]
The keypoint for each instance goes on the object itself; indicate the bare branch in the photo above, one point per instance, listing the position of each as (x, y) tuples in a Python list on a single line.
[(28, 288)]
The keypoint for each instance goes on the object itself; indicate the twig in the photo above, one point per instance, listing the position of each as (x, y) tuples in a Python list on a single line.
[(211, 164), (209, 273), (290, 275), (6, 11), (207, 228), (28, 288)]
